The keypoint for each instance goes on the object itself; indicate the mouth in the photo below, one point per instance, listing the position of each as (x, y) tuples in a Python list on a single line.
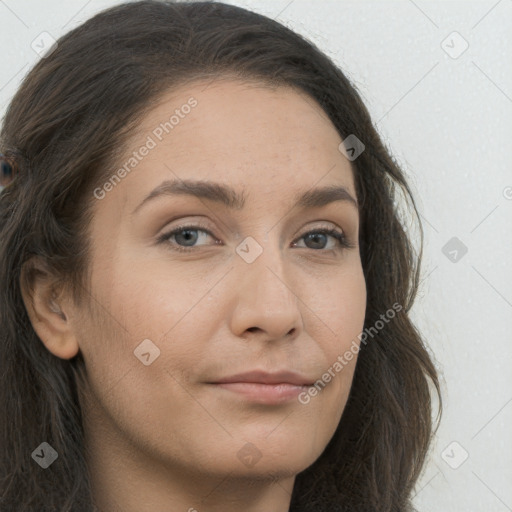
[(264, 387)]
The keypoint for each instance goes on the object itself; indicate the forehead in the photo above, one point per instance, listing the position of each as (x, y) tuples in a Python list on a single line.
[(270, 142)]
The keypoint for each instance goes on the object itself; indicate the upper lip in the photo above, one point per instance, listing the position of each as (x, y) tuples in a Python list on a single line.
[(263, 377)]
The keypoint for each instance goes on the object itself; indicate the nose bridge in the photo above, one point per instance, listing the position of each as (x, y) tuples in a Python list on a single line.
[(267, 275), (265, 293), (263, 259)]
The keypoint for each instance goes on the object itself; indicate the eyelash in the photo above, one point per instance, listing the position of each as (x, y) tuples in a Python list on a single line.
[(343, 241)]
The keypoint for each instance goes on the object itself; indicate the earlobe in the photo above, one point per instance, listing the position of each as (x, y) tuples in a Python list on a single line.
[(46, 310)]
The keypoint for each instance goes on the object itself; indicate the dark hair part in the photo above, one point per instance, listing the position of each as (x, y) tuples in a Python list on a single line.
[(67, 125)]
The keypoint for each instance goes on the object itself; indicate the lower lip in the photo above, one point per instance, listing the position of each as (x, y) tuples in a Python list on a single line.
[(264, 393)]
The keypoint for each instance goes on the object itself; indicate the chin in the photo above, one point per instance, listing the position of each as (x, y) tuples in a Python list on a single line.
[(279, 457)]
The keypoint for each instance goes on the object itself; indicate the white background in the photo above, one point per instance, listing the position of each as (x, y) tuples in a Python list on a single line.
[(448, 121)]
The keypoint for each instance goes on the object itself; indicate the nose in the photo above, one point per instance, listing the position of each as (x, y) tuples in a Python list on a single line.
[(266, 302)]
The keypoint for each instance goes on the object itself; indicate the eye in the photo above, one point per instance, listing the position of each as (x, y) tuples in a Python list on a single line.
[(189, 235), (186, 235), (321, 236)]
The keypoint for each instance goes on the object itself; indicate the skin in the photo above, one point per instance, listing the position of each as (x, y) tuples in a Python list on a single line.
[(159, 437)]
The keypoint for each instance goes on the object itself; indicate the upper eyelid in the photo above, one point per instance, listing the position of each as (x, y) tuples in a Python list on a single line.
[(323, 224)]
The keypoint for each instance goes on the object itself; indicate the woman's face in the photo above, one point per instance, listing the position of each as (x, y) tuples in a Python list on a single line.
[(248, 284)]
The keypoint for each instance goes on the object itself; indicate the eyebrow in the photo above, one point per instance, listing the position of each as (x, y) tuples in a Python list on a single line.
[(227, 196)]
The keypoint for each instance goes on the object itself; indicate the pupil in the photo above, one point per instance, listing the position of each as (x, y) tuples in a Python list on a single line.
[(187, 237), (316, 236)]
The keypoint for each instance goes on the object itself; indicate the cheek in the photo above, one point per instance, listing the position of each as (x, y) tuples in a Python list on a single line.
[(336, 312), (141, 317), (153, 295), (339, 306), (342, 309), (126, 395)]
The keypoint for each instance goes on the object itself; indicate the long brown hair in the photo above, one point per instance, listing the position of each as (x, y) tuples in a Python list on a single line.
[(65, 127)]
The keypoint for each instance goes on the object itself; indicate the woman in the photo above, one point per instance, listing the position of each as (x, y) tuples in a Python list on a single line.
[(205, 281)]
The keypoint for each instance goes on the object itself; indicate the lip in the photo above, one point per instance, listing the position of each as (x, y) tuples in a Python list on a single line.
[(264, 387), (262, 377)]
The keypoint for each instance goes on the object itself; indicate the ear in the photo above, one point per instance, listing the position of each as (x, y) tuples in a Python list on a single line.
[(48, 309)]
